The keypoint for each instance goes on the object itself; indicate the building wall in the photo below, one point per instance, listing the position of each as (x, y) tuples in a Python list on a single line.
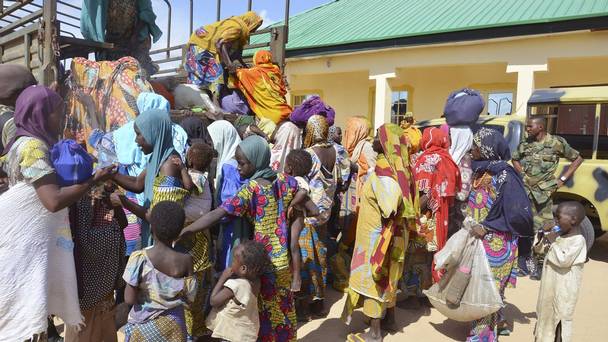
[(430, 73)]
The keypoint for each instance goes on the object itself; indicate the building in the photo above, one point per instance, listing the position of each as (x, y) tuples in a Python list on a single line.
[(382, 58)]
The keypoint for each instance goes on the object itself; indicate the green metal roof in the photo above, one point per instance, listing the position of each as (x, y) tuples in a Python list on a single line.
[(355, 21)]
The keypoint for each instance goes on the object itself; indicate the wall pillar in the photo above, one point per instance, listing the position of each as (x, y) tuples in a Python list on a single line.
[(525, 84), (383, 97)]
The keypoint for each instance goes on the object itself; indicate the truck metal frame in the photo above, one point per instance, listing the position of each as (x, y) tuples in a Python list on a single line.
[(34, 33)]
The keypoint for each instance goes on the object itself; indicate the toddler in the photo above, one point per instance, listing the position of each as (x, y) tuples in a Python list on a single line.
[(234, 316)]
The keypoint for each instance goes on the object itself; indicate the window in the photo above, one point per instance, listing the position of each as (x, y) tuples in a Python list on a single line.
[(602, 147), (298, 99), (398, 106), (500, 103), (573, 122)]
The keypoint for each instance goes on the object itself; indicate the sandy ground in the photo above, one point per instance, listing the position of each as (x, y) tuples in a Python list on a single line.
[(590, 321)]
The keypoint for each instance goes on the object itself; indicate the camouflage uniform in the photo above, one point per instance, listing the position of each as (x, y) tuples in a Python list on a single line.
[(539, 160)]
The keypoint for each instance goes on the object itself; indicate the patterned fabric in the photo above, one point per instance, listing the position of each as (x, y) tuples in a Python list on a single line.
[(288, 137), (168, 326), (317, 130), (203, 61), (438, 177), (266, 207), (168, 188), (372, 308), (102, 95), (314, 263), (501, 250), (278, 322), (157, 292), (133, 230), (379, 252), (539, 160), (28, 161), (99, 250), (417, 275), (413, 135), (264, 88), (196, 313), (396, 164)]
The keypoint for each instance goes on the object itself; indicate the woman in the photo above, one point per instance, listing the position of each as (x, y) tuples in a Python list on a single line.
[(498, 201), (215, 46), (264, 201), (330, 170), (287, 137), (228, 182), (438, 180), (461, 138), (388, 206), (36, 246), (335, 135), (264, 88)]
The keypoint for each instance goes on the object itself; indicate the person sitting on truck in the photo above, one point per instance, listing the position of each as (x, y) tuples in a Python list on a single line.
[(537, 159), (216, 46)]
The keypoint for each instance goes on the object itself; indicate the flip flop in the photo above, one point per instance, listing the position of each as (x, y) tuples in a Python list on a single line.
[(356, 337)]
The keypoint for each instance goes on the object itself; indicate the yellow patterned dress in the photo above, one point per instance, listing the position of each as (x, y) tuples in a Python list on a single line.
[(266, 207)]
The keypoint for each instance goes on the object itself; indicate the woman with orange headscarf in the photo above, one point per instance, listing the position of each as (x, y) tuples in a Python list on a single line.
[(264, 88)]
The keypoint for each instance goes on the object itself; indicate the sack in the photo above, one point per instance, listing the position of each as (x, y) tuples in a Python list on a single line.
[(463, 107), (72, 163), (480, 297)]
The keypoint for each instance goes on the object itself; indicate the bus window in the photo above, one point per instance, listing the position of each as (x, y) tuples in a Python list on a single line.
[(602, 148)]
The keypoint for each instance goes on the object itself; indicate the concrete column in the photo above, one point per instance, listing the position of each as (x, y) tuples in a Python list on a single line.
[(383, 96), (525, 84)]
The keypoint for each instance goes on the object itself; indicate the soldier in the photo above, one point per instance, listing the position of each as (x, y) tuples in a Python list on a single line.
[(537, 159)]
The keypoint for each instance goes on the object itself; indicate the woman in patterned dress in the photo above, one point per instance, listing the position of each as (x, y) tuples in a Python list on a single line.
[(330, 170), (264, 201), (498, 201)]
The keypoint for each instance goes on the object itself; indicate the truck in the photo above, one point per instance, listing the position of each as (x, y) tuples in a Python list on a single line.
[(41, 34)]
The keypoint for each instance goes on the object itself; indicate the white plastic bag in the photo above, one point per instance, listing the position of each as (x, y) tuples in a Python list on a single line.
[(481, 297)]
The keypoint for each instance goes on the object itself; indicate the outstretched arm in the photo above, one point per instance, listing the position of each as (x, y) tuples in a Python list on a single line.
[(205, 222), (132, 184)]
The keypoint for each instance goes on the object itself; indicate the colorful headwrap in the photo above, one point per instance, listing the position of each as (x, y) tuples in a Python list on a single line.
[(317, 131), (395, 163), (312, 106)]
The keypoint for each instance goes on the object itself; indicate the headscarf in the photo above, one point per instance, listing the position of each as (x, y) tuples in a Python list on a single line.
[(225, 140), (233, 29), (357, 131), (14, 79), (312, 106), (462, 141), (439, 177), (287, 138), (257, 152), (147, 101), (155, 127), (332, 134), (264, 88), (196, 129), (32, 110), (317, 131), (511, 210), (395, 163)]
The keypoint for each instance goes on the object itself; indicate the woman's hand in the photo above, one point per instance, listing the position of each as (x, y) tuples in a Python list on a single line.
[(115, 199), (104, 174), (479, 231)]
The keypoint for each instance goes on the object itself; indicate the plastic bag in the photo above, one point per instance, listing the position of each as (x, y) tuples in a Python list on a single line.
[(72, 163), (481, 297)]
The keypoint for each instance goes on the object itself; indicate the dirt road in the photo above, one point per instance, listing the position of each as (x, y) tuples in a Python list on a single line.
[(590, 321)]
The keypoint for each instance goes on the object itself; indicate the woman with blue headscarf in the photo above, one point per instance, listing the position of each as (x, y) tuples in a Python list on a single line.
[(264, 201), (499, 203)]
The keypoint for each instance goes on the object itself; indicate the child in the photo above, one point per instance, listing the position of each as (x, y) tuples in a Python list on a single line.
[(298, 164), (97, 225), (562, 275), (234, 299), (159, 281), (198, 204)]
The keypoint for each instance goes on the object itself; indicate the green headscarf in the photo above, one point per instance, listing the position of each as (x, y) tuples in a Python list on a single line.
[(155, 126), (257, 151)]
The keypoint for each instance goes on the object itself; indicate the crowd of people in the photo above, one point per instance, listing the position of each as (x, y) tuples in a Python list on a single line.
[(235, 230)]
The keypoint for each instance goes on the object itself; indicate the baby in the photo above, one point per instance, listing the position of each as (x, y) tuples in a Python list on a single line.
[(562, 275)]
